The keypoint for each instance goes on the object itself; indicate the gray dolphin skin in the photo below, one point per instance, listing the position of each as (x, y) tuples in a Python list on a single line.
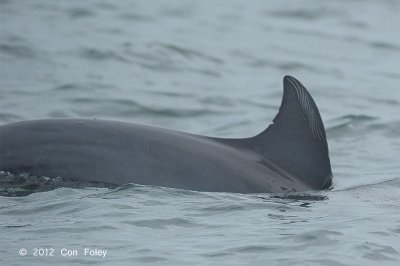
[(290, 155)]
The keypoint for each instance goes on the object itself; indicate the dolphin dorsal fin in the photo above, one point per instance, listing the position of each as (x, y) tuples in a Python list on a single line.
[(296, 140)]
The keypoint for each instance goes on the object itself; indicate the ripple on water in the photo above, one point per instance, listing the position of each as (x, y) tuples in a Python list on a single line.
[(164, 223), (17, 50), (97, 54)]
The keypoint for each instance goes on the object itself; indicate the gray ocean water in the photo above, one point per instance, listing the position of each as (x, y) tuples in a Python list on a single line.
[(213, 68)]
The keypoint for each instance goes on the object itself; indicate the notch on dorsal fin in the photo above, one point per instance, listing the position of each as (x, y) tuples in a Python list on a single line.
[(296, 140)]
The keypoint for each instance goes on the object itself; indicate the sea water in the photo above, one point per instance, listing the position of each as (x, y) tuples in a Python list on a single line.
[(213, 68)]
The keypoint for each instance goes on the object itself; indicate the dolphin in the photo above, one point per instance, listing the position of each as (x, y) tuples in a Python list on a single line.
[(290, 155)]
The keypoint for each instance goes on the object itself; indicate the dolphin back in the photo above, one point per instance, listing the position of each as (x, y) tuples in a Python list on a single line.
[(291, 154)]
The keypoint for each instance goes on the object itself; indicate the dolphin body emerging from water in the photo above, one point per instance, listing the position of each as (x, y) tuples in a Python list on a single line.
[(290, 155)]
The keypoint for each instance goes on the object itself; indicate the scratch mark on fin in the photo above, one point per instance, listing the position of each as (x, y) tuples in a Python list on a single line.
[(306, 104)]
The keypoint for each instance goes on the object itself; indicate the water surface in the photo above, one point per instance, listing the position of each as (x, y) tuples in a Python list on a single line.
[(213, 68)]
